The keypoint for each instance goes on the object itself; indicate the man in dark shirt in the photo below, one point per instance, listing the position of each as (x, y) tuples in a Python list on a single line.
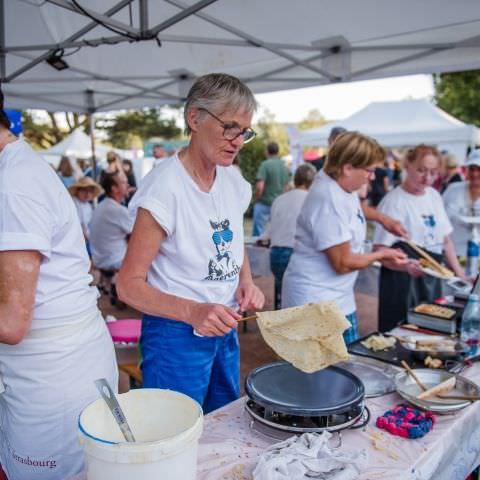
[(334, 133)]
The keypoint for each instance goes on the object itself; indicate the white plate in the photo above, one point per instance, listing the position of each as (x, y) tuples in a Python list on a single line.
[(433, 273)]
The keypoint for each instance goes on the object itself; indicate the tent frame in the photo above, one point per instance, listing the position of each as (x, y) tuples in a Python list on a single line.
[(143, 32)]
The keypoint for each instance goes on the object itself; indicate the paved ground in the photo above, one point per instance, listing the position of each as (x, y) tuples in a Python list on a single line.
[(254, 351)]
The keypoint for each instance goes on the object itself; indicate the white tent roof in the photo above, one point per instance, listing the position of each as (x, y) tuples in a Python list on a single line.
[(401, 123), (270, 44), (78, 144)]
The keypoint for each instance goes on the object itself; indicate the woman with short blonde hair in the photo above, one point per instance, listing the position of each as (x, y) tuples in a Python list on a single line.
[(354, 149), (331, 230)]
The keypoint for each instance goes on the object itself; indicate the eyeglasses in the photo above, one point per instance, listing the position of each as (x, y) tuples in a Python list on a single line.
[(231, 131), (369, 170)]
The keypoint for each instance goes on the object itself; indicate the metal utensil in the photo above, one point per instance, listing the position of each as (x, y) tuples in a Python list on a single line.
[(412, 374), (107, 394)]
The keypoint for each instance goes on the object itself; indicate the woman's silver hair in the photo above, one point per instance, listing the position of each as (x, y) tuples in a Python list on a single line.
[(219, 92)]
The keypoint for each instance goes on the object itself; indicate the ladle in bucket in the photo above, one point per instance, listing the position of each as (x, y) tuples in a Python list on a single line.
[(107, 394)]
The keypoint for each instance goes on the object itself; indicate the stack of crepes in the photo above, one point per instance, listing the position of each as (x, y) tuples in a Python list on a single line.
[(309, 337)]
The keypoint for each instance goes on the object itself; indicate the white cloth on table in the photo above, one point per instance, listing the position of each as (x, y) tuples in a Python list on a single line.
[(423, 216), (309, 456), (329, 216), (109, 228), (203, 252)]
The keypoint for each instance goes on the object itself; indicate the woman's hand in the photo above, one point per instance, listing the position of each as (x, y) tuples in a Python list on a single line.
[(394, 258), (395, 227), (212, 319), (249, 296), (414, 269)]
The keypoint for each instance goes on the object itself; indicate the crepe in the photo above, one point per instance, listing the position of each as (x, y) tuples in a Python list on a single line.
[(435, 310), (309, 337), (379, 342)]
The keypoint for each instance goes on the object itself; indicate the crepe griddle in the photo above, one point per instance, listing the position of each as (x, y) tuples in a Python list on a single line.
[(281, 387)]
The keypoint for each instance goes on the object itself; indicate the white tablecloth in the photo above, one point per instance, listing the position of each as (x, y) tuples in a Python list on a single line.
[(229, 448)]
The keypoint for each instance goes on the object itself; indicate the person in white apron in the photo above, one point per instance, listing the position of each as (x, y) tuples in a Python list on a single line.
[(53, 340)]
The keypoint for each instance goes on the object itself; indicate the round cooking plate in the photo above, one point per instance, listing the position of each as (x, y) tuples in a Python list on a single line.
[(284, 388)]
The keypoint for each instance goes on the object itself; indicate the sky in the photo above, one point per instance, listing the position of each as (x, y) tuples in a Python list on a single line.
[(339, 101)]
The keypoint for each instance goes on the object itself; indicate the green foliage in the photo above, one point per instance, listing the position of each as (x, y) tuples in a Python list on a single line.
[(250, 157), (134, 127), (314, 119), (44, 132), (272, 131), (459, 94)]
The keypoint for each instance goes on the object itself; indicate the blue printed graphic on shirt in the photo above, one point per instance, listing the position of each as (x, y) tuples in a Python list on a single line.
[(429, 222), (360, 216), (222, 266)]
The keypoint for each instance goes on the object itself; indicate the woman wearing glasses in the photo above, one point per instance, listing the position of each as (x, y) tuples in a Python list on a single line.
[(331, 230), (185, 267), (421, 210)]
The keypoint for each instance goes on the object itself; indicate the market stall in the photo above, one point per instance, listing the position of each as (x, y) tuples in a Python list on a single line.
[(230, 446)]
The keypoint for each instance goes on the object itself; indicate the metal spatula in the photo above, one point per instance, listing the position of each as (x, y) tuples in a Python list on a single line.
[(107, 394)]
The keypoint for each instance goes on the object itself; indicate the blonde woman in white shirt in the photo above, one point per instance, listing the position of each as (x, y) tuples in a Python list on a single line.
[(420, 208), (331, 230), (185, 267)]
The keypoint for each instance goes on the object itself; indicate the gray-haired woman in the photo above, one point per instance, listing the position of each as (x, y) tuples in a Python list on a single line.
[(185, 268)]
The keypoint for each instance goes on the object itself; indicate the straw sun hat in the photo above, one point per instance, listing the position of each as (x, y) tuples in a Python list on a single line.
[(85, 182)]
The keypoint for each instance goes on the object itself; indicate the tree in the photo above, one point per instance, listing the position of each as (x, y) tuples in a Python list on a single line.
[(44, 129), (271, 131), (132, 128), (313, 119), (459, 94)]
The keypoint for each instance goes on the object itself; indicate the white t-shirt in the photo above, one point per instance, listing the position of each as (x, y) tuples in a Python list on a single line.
[(457, 201), (423, 216), (203, 253), (283, 218), (330, 216), (37, 213), (85, 213), (109, 228)]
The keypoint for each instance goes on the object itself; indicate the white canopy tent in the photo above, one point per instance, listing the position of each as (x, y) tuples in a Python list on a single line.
[(136, 53), (77, 144), (401, 124)]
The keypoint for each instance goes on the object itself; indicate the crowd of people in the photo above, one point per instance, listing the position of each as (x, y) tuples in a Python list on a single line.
[(176, 245)]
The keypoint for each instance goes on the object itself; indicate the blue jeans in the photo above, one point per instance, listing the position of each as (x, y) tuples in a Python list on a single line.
[(351, 334), (279, 258), (261, 214), (206, 369)]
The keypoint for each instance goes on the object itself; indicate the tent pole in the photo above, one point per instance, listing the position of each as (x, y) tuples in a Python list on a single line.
[(90, 102), (3, 68), (91, 123)]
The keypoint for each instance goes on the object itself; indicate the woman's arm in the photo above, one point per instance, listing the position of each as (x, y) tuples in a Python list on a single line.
[(391, 225), (451, 257), (343, 260), (147, 236), (410, 266), (18, 284)]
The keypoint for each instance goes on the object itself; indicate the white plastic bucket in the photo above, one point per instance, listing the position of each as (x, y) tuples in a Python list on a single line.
[(166, 426)]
